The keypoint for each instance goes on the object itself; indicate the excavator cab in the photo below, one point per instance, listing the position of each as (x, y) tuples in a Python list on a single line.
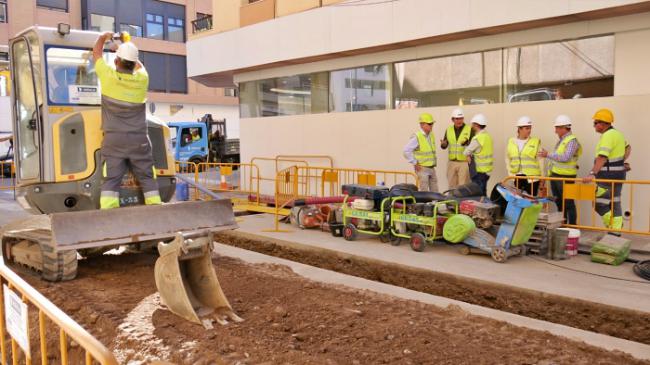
[(56, 102)]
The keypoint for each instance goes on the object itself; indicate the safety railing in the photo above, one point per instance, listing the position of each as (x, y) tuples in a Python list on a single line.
[(237, 180), (584, 194), (23, 297), (297, 182), (7, 175)]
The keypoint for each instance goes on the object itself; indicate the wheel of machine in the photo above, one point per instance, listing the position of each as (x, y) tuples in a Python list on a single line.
[(418, 242), (464, 250), (58, 266), (394, 240), (350, 232), (499, 254)]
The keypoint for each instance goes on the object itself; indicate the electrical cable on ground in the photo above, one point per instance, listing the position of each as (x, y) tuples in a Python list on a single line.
[(642, 269), (591, 273)]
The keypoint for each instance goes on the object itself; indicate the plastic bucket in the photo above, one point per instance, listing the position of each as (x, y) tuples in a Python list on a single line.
[(573, 241), (182, 191)]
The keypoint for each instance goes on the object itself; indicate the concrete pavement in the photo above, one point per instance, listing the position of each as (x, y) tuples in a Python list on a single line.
[(577, 277)]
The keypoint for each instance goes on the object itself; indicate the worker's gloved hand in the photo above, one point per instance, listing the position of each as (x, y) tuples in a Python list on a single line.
[(627, 166)]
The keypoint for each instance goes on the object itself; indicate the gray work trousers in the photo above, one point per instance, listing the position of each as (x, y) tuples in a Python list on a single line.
[(427, 178), (121, 151)]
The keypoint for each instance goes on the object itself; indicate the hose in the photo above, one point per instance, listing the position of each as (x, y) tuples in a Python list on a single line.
[(642, 269)]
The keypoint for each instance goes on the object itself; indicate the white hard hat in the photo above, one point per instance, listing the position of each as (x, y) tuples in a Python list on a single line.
[(524, 121), (562, 120), (479, 119), (457, 113), (128, 51)]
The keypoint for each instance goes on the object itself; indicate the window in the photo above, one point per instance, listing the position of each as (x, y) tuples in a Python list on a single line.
[(358, 89), (581, 68), (170, 71), (175, 30), (292, 95), (70, 82), (3, 11), (53, 4), (102, 23), (473, 78), (133, 30), (155, 26), (230, 91)]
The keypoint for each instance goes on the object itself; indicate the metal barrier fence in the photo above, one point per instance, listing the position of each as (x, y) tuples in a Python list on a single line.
[(237, 180), (7, 175), (574, 189), (69, 330), (298, 182)]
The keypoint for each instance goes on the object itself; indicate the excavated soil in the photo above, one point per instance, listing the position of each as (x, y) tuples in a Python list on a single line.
[(291, 320), (618, 322)]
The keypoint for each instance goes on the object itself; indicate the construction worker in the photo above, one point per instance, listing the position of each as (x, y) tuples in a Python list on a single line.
[(457, 137), (611, 153), (126, 143), (480, 149), (195, 134), (420, 151), (521, 156), (564, 164)]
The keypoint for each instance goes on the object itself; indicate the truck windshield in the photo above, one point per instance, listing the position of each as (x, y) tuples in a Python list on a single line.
[(71, 77)]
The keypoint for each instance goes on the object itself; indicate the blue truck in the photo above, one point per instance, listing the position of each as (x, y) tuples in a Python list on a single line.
[(203, 141)]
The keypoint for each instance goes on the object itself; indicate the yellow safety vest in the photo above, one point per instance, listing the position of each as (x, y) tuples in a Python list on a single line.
[(612, 145), (426, 152), (484, 160), (456, 147), (524, 161), (131, 88), (569, 168)]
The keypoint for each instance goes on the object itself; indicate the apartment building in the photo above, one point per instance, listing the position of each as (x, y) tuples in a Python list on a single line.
[(160, 29)]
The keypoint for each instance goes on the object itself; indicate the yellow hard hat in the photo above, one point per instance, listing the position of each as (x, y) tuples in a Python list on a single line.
[(426, 118), (604, 115)]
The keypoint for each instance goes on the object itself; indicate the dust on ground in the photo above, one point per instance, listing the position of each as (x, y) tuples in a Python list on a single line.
[(291, 320)]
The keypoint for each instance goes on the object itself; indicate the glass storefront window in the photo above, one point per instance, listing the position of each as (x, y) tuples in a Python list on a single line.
[(359, 89), (292, 95), (473, 78), (581, 68), (102, 23)]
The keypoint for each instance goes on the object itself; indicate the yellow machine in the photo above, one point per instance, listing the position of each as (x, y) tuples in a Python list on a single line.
[(56, 100)]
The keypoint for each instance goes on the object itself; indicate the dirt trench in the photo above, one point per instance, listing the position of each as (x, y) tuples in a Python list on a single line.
[(291, 320), (618, 322)]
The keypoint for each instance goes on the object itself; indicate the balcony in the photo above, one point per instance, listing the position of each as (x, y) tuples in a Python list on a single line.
[(202, 24)]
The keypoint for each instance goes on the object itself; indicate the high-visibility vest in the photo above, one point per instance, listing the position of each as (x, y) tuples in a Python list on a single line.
[(456, 147), (569, 168), (426, 152), (612, 144), (484, 160), (524, 161)]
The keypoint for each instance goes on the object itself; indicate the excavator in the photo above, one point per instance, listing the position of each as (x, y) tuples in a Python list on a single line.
[(56, 106)]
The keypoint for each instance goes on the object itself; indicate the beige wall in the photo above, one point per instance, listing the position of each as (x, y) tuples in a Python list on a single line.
[(286, 7), (256, 12), (225, 15), (632, 68), (374, 140)]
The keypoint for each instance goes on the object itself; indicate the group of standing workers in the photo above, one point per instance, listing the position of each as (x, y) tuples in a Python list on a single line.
[(471, 157)]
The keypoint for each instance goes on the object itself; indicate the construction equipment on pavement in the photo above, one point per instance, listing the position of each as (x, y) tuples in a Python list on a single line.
[(516, 229), (57, 116), (420, 223)]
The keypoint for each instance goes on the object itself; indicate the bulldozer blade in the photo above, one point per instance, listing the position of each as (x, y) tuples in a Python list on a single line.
[(85, 229), (187, 282)]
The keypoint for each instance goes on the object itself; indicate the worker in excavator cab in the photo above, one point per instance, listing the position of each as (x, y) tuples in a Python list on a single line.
[(420, 151), (521, 156), (612, 151), (195, 134), (126, 143)]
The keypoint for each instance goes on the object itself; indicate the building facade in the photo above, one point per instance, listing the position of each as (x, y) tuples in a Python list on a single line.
[(160, 29), (349, 78)]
